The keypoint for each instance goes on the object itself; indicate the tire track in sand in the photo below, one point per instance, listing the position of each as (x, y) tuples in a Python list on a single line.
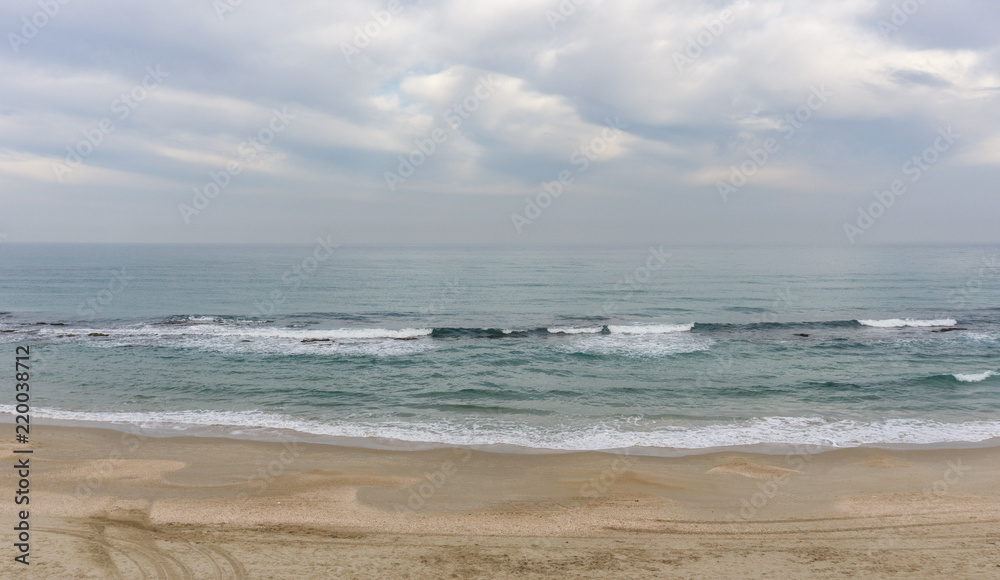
[(151, 562)]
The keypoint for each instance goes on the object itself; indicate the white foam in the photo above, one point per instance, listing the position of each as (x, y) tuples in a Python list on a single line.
[(980, 336), (378, 348), (222, 330), (900, 322), (369, 333), (575, 329), (650, 345), (612, 434), (649, 328), (974, 378), (288, 333), (256, 339)]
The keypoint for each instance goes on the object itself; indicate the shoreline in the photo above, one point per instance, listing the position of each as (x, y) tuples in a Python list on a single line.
[(114, 503), (278, 435)]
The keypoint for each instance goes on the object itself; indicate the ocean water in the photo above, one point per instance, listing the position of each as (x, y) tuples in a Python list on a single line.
[(569, 347)]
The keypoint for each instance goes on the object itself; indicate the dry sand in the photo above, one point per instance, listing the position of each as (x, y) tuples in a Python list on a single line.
[(110, 505)]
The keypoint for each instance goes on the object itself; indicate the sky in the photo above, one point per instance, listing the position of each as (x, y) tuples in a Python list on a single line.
[(829, 122)]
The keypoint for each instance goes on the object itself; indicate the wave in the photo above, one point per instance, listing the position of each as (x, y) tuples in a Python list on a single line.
[(635, 349), (649, 328), (232, 335), (261, 336), (640, 344), (575, 330), (605, 435), (371, 333), (196, 319), (194, 322), (237, 337), (908, 322), (450, 332), (830, 324), (975, 377), (612, 340), (222, 330), (563, 330)]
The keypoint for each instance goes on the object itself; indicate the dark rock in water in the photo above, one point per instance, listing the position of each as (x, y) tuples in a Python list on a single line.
[(97, 334), (315, 340), (244, 340), (56, 324), (11, 330), (949, 329), (802, 335), (65, 335), (39, 323), (408, 338)]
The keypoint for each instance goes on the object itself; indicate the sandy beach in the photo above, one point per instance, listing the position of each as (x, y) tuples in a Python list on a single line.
[(107, 504)]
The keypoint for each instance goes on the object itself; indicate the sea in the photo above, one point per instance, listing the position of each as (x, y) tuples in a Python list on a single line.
[(640, 348)]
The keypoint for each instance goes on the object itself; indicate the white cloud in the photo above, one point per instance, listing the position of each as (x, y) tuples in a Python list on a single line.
[(554, 89)]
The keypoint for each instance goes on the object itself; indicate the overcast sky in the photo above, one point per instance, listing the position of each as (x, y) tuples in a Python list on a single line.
[(311, 117)]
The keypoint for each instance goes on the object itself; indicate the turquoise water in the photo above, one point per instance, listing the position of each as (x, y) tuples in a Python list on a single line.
[(552, 347)]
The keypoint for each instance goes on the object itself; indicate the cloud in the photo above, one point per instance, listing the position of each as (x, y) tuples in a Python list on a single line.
[(697, 84)]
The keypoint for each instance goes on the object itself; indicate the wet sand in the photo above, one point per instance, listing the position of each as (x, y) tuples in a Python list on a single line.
[(107, 504)]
